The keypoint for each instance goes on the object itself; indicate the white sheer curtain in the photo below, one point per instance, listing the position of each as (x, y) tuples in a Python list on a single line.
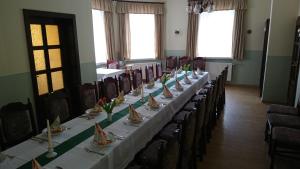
[(99, 36)]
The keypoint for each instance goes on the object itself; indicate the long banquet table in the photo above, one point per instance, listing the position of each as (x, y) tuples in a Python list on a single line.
[(71, 144)]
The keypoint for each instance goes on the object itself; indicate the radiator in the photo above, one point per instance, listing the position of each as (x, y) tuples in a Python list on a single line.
[(215, 69)]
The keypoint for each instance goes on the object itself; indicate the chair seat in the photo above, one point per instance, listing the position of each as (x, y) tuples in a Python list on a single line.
[(281, 162), (197, 98), (278, 120), (150, 155), (180, 117), (286, 136), (134, 167), (282, 109), (170, 132), (190, 106)]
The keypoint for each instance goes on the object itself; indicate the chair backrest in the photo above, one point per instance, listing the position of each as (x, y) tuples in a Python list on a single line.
[(184, 60), (58, 104), (112, 64), (88, 96), (188, 138), (171, 62), (158, 70), (149, 74), (110, 88), (17, 124), (125, 83), (199, 62), (137, 78), (208, 104), (170, 155)]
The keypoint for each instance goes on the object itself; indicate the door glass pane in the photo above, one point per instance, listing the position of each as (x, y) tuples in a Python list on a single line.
[(57, 80), (36, 34), (42, 84), (39, 60), (52, 34), (55, 58)]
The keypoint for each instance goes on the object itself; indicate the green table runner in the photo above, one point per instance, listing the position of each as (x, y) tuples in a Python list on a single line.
[(79, 138)]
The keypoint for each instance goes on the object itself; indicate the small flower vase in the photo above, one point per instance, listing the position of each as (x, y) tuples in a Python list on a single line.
[(109, 116)]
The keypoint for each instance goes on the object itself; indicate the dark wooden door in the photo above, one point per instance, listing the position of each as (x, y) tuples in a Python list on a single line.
[(294, 70), (53, 56), (264, 55)]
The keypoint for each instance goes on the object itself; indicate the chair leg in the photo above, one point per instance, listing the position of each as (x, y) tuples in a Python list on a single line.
[(266, 131), (272, 155)]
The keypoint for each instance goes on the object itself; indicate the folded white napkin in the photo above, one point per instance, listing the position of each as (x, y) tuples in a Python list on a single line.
[(134, 116), (36, 165), (100, 136)]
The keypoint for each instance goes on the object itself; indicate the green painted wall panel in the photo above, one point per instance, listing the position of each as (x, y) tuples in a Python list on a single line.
[(88, 72), (17, 87), (277, 78)]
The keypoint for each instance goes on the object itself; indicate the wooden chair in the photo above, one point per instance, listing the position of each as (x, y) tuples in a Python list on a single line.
[(110, 88), (183, 61), (285, 142), (88, 96), (112, 64), (199, 62), (149, 74), (187, 119), (17, 124), (158, 70), (171, 63), (160, 154), (125, 83), (58, 104), (137, 78)]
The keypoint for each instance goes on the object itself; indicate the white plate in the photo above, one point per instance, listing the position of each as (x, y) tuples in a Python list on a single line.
[(96, 147), (88, 111), (128, 122), (45, 132)]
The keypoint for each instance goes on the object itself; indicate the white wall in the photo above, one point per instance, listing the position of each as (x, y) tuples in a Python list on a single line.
[(257, 13), (13, 50), (176, 19)]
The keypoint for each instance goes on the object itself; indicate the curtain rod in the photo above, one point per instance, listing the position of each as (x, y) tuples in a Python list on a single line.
[(140, 2)]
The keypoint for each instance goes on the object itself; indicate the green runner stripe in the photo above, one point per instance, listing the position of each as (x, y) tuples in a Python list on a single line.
[(79, 138)]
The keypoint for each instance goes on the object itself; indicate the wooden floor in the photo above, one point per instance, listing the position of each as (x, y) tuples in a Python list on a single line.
[(238, 138)]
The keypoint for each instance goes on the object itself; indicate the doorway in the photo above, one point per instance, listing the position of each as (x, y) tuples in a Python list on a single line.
[(264, 56), (53, 57)]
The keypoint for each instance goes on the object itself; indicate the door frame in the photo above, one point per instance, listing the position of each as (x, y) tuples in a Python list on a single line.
[(30, 15)]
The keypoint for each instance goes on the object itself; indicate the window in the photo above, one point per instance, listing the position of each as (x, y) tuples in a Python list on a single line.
[(99, 36), (215, 34), (142, 36)]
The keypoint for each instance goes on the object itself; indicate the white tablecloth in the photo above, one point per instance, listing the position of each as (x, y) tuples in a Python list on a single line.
[(121, 152), (104, 73)]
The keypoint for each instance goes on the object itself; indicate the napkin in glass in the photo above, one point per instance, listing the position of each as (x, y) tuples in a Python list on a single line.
[(100, 136), (166, 92), (152, 103), (56, 126), (134, 116), (178, 86), (194, 75), (186, 79), (36, 165), (120, 99)]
